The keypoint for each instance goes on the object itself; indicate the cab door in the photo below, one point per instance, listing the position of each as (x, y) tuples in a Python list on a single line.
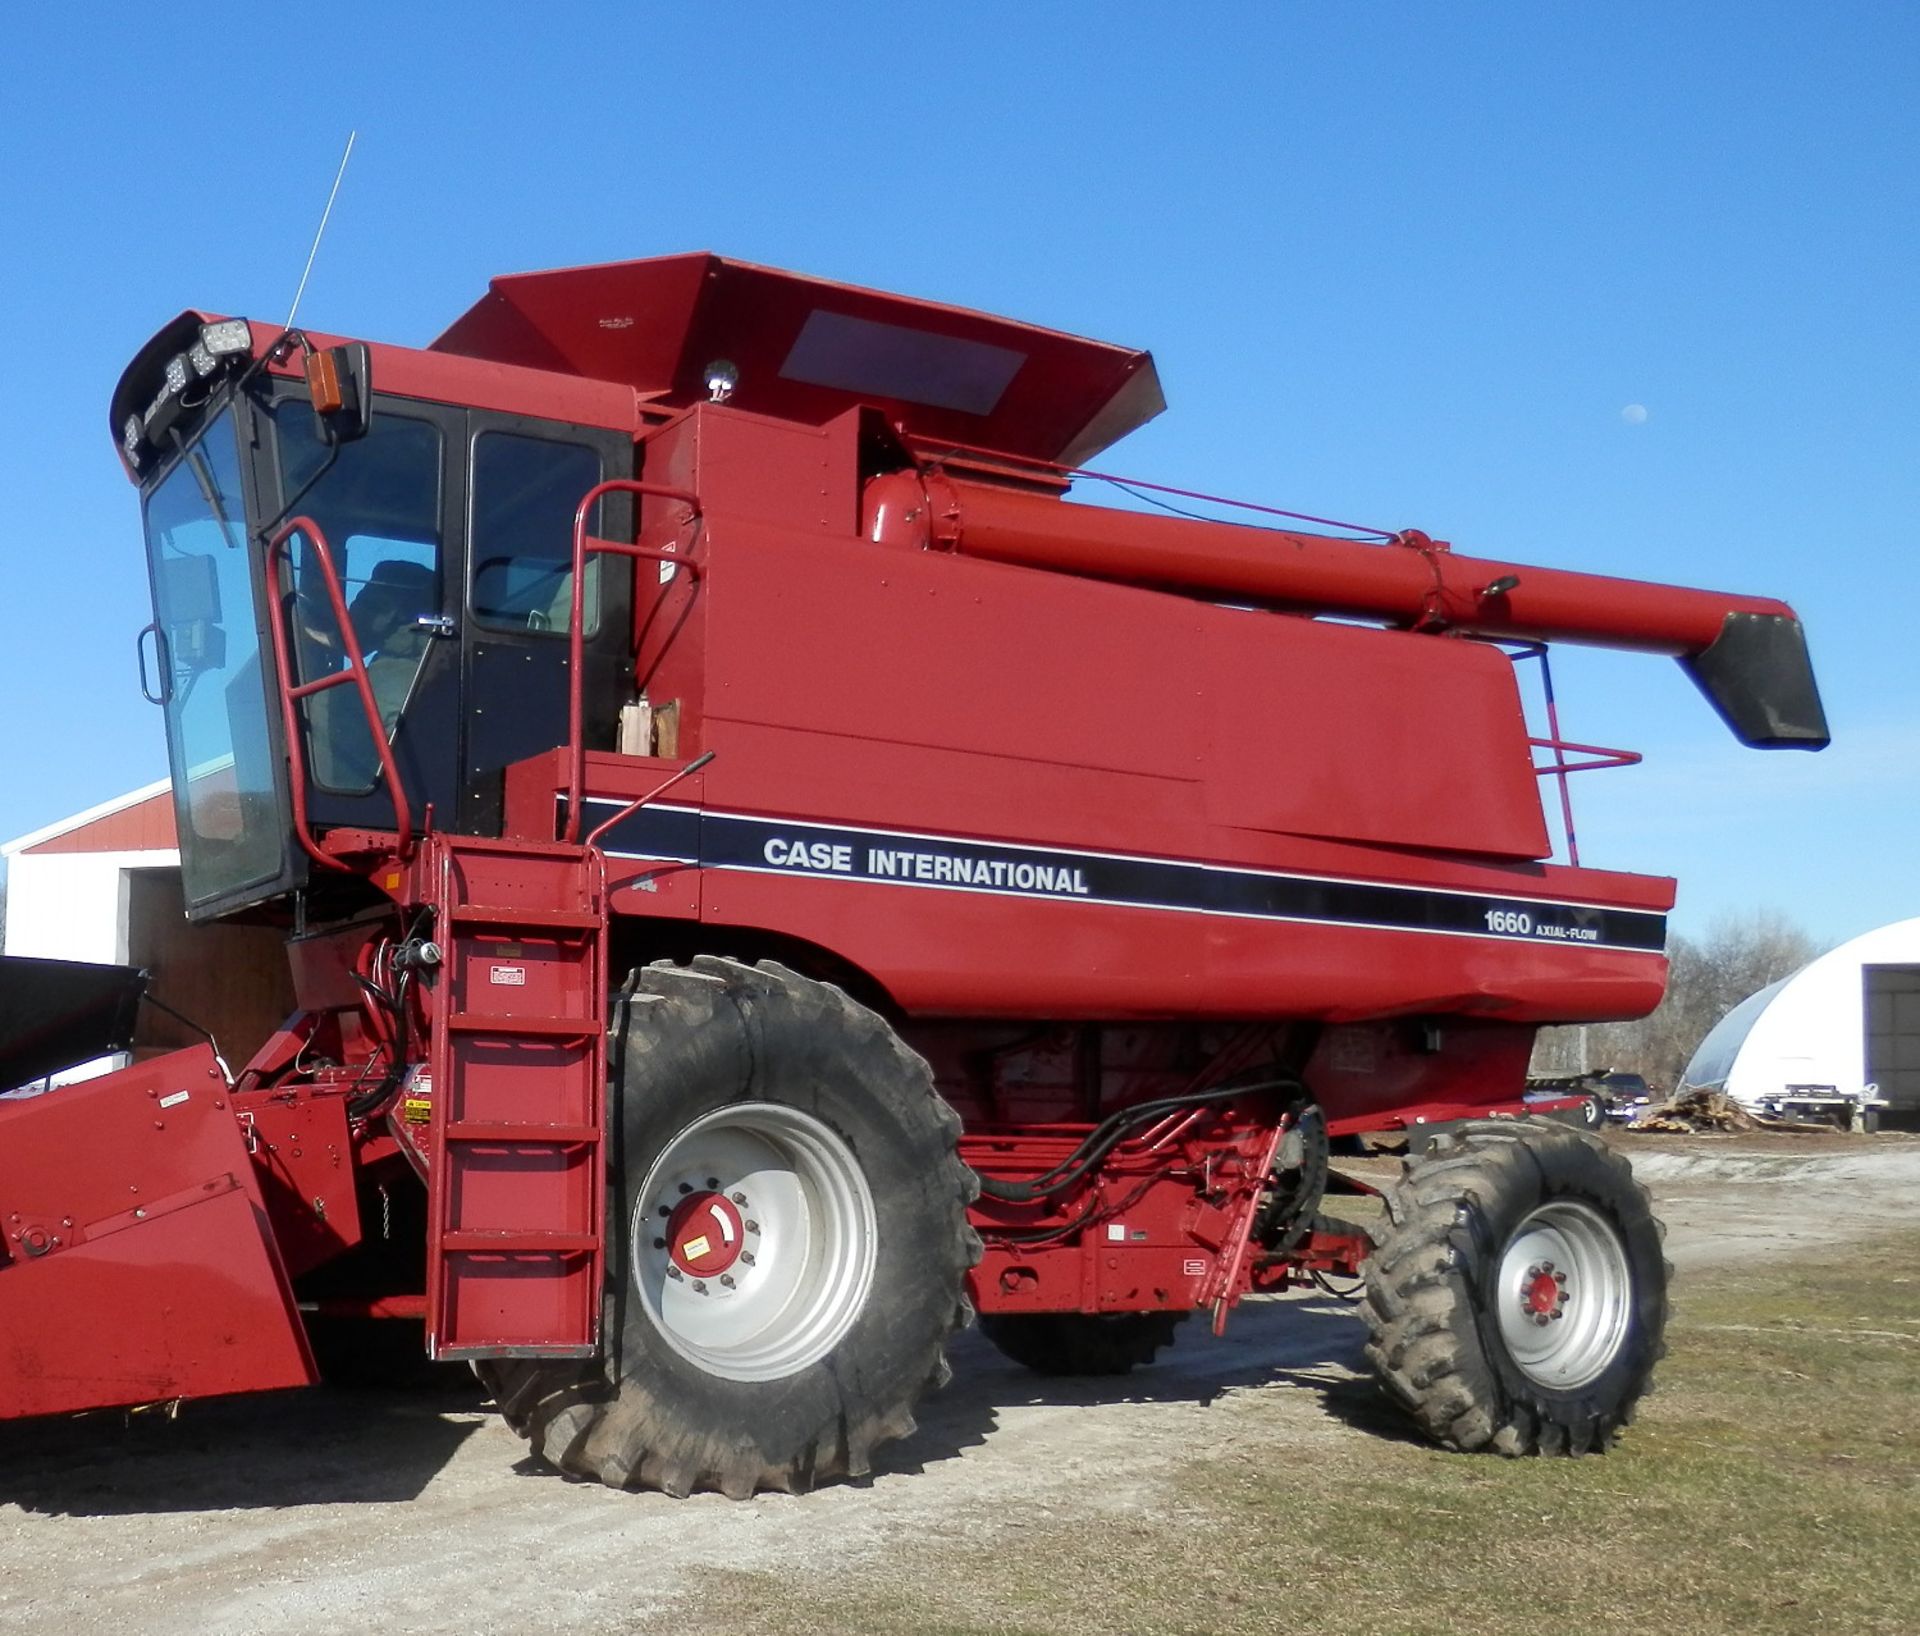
[(524, 480)]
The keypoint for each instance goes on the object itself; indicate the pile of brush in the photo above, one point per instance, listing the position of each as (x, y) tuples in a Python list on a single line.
[(1692, 1111)]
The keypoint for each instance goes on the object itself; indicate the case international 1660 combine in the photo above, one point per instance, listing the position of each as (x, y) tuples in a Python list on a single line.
[(767, 877)]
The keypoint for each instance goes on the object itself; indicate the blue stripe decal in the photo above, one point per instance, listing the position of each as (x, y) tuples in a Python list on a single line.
[(722, 840)]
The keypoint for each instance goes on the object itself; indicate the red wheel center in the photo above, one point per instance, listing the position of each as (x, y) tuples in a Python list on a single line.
[(1542, 1293), (705, 1234)]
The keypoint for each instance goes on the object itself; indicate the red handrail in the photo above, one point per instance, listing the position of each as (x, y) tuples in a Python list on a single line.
[(1606, 757), (1559, 767), (585, 545), (639, 801), (355, 672)]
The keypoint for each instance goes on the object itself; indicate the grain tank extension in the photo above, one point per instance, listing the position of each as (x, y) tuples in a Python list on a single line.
[(768, 877)]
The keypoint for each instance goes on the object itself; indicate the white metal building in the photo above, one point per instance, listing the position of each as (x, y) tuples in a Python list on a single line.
[(69, 886), (1848, 1019)]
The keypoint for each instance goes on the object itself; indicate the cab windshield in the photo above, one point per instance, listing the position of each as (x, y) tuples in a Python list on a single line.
[(218, 744)]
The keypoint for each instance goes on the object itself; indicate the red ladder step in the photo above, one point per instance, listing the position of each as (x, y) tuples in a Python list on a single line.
[(519, 1130), (495, 914), (505, 1027), (511, 1243), (516, 1178)]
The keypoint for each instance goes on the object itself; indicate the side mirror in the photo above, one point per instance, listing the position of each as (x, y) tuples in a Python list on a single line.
[(341, 382), (188, 601), (189, 590), (197, 646)]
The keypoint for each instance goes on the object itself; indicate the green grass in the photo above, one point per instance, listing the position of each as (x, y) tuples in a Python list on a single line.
[(1771, 1485)]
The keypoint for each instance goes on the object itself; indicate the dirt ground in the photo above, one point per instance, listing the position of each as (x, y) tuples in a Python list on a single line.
[(414, 1512)]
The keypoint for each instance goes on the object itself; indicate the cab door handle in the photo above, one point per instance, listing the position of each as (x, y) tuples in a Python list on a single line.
[(152, 628)]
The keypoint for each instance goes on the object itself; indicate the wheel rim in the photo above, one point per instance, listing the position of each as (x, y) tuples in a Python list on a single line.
[(1565, 1295), (753, 1241)]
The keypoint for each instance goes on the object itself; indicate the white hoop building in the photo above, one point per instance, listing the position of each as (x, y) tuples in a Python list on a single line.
[(1848, 1019)]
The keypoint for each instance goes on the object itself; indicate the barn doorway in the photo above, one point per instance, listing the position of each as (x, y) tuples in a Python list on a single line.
[(232, 980), (1892, 1011)]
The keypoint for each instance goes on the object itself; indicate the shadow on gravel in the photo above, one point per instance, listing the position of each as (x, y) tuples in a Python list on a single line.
[(330, 1446), (323, 1446), (1362, 1405), (1309, 1342)]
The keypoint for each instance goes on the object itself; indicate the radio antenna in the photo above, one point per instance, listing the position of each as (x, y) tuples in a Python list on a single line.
[(320, 231)]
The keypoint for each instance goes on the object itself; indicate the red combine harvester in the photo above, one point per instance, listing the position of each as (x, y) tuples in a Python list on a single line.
[(766, 877)]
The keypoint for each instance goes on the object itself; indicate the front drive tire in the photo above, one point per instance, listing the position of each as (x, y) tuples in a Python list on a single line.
[(1518, 1301), (787, 1243)]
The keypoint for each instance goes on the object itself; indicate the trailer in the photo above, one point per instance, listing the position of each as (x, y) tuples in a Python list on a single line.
[(1825, 1104), (768, 877)]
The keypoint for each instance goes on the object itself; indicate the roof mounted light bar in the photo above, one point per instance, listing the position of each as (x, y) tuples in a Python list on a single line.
[(214, 350)]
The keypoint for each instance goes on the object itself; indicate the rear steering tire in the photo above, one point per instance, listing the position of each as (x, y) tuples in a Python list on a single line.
[(1518, 1302), (787, 1243)]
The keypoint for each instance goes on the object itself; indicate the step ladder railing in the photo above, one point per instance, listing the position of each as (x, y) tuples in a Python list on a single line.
[(352, 673), (586, 545)]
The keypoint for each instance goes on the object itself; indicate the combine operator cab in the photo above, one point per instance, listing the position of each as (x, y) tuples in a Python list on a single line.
[(768, 877), (302, 525)]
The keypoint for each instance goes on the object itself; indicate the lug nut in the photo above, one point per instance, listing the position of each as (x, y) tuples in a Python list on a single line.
[(686, 1187), (726, 1280), (753, 1226), (746, 1258), (713, 1184), (699, 1286), (738, 1198), (666, 1210), (673, 1271)]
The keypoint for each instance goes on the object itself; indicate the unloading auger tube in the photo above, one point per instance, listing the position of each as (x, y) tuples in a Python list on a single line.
[(1747, 654)]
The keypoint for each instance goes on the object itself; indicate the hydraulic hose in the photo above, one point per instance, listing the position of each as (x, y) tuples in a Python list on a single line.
[(1110, 1133)]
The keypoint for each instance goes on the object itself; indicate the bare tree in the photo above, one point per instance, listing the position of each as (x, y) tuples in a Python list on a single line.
[(1740, 955)]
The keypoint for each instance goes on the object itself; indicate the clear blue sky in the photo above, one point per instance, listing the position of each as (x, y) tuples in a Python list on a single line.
[(1404, 263)]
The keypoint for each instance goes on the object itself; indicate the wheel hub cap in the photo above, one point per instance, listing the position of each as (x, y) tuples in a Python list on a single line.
[(754, 1242), (1564, 1294), (705, 1234), (1544, 1295)]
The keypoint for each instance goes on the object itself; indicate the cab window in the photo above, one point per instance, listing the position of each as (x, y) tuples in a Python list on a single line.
[(218, 738), (378, 503), (525, 492)]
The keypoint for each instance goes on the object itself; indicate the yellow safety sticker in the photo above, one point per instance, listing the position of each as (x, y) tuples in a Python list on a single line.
[(417, 1110), (696, 1247)]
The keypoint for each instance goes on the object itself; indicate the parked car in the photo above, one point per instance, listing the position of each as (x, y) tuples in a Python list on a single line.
[(1610, 1095)]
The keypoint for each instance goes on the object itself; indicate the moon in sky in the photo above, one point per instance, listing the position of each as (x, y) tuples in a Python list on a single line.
[(1635, 414)]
